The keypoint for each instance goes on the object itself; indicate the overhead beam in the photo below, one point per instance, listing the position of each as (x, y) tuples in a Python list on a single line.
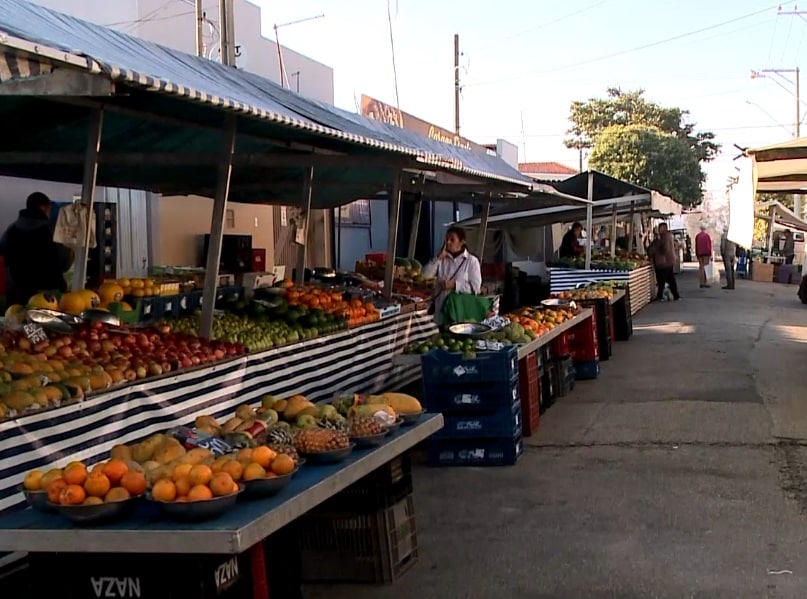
[(59, 82)]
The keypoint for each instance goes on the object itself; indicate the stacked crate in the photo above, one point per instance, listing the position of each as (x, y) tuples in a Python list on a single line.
[(604, 315), (480, 401), (529, 382), (585, 350), (623, 321)]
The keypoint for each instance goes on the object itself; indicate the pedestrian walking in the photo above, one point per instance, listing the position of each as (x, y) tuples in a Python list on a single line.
[(789, 248), (728, 251), (664, 262), (703, 252)]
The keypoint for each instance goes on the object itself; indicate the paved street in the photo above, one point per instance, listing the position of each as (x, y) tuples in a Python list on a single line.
[(681, 472)]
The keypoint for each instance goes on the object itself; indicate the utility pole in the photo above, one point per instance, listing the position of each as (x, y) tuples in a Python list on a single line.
[(227, 26), (457, 83), (200, 29)]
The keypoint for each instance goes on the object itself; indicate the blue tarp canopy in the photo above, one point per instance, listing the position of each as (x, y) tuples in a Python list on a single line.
[(164, 115)]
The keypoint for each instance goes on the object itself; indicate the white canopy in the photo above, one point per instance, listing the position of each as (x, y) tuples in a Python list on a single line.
[(782, 215), (781, 167)]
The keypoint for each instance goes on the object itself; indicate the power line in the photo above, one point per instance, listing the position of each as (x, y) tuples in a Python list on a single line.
[(628, 50), (548, 23)]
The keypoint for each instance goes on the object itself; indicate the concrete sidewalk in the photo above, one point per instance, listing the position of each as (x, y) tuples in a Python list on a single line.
[(680, 472)]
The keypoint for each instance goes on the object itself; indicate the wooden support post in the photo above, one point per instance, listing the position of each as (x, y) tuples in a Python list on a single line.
[(483, 229), (302, 251), (589, 211), (217, 228), (413, 234), (613, 231), (394, 205), (87, 195)]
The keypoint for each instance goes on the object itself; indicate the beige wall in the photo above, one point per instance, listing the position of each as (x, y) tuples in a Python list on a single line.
[(185, 220)]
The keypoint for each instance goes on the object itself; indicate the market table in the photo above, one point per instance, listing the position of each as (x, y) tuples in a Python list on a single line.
[(537, 343), (640, 282), (240, 531), (357, 360)]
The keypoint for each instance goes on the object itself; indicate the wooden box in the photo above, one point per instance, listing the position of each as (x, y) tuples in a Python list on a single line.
[(762, 272)]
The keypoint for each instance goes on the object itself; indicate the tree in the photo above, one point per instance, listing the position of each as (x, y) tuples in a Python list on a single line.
[(648, 128), (647, 156)]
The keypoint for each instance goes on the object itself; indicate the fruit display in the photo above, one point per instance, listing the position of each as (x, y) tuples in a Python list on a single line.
[(401, 403), (365, 426), (599, 290), (320, 440), (603, 261), (65, 368), (537, 321)]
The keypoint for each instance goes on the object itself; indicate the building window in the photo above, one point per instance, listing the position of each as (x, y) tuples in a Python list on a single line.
[(355, 214), (229, 219)]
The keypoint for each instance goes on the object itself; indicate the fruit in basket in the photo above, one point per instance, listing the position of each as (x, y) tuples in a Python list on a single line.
[(365, 426), (280, 434), (245, 412), (75, 474), (373, 409), (288, 450), (72, 495), (164, 490), (72, 303), (400, 402), (320, 440), (254, 471), (110, 291), (283, 464), (305, 421), (97, 484), (295, 406), (43, 301), (54, 489), (33, 480), (263, 455)]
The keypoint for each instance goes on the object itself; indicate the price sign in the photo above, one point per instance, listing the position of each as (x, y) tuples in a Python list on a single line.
[(35, 333)]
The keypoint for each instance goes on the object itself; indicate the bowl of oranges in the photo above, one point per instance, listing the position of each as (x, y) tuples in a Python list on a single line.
[(266, 472), (195, 492), (107, 491)]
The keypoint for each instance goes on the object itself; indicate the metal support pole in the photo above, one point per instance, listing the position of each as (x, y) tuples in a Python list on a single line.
[(631, 228), (87, 195), (483, 229), (227, 28), (200, 29), (217, 228), (770, 230), (613, 231), (302, 251), (589, 214), (796, 197), (394, 205), (413, 234)]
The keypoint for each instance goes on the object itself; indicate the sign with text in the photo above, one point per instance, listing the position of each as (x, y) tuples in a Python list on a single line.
[(379, 111)]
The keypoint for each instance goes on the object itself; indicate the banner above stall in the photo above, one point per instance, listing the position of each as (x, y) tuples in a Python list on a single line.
[(164, 115)]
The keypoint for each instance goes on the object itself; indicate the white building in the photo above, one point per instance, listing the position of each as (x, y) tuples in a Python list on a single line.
[(172, 23)]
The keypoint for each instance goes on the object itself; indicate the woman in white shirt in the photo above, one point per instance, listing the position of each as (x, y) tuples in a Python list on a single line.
[(455, 269)]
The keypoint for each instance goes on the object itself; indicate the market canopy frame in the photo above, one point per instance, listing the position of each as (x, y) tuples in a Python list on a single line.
[(780, 168)]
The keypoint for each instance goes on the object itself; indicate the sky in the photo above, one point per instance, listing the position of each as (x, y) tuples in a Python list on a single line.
[(523, 63)]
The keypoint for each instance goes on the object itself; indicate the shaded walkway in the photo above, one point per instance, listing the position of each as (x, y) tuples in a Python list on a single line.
[(679, 473)]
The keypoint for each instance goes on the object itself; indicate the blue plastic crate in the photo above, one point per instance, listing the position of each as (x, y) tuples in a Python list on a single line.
[(145, 307), (441, 367), (475, 452), (166, 306), (587, 370), (503, 423), (474, 398), (189, 302)]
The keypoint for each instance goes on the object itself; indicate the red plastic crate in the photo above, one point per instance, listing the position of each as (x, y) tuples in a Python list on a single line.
[(561, 345), (584, 341), (530, 388)]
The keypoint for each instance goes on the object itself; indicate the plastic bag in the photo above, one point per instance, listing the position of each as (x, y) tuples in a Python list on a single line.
[(712, 276)]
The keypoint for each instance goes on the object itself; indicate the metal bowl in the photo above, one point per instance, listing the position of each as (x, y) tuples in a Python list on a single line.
[(556, 302), (101, 316), (329, 457), (38, 500), (393, 428), (266, 487), (98, 513), (195, 511), (410, 419), (469, 329), (60, 322), (369, 440)]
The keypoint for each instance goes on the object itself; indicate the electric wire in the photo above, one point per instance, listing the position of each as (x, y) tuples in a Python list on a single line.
[(392, 48)]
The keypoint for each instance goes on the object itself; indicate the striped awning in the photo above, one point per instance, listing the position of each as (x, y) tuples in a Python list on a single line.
[(780, 167), (15, 67)]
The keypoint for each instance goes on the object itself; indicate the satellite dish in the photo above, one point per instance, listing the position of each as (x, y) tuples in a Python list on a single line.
[(241, 57)]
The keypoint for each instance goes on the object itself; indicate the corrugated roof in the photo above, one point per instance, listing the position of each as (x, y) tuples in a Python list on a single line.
[(546, 168), (155, 68)]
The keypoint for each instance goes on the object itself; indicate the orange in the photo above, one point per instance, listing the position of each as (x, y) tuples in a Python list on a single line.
[(72, 495), (234, 469), (244, 454), (99, 467), (181, 471), (92, 501), (218, 464), (55, 488), (164, 490), (183, 486), (134, 482), (97, 484), (33, 480), (117, 494), (115, 469), (200, 475), (221, 484), (236, 488), (50, 476), (200, 493), (282, 464), (254, 471), (263, 455), (75, 474)]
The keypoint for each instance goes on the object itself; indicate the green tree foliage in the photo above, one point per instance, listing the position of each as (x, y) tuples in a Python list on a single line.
[(649, 129)]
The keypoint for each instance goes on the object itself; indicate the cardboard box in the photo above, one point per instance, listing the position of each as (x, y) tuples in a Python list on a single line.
[(762, 272)]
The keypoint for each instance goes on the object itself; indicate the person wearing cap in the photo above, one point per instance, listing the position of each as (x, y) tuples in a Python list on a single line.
[(703, 252)]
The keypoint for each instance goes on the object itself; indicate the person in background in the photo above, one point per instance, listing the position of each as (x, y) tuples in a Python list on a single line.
[(789, 248), (703, 252), (455, 269), (570, 246), (664, 262), (34, 261), (728, 251)]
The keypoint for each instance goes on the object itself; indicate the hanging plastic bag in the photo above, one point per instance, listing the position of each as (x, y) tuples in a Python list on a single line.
[(712, 276)]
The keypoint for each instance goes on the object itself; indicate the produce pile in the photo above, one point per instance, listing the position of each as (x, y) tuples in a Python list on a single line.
[(408, 277), (209, 460), (598, 290), (36, 375), (603, 261)]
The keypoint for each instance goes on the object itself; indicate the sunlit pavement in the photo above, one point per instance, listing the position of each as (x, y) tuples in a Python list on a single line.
[(680, 472)]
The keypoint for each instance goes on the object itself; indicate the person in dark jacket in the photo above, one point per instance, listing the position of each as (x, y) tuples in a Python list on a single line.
[(570, 244), (34, 261)]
